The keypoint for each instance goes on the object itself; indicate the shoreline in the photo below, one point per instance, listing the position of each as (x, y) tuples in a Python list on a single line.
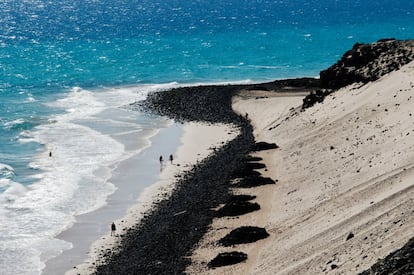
[(187, 154), (78, 234), (164, 238), (91, 226), (161, 249)]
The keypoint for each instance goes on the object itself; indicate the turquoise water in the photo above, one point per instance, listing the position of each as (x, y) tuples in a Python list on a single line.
[(63, 63)]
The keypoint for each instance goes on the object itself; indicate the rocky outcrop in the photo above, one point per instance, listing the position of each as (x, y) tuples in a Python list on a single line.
[(398, 262), (368, 62), (244, 234), (362, 64), (238, 208), (253, 181), (212, 103), (228, 258), (304, 83), (314, 97), (201, 103), (262, 146)]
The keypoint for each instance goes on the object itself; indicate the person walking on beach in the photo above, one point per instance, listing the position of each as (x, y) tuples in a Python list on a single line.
[(161, 163), (113, 229), (171, 158)]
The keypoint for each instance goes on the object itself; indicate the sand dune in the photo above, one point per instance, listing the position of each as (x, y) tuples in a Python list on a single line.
[(345, 171)]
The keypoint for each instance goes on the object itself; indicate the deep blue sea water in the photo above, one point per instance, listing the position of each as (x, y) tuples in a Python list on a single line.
[(63, 63)]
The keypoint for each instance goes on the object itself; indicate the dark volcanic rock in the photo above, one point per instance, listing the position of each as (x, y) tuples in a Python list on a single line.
[(202, 103), (228, 258), (315, 97), (362, 64), (237, 208), (210, 103), (247, 169), (244, 234), (250, 182), (350, 236), (399, 262), (254, 165), (261, 146), (244, 171), (368, 62), (304, 83), (239, 198), (250, 159)]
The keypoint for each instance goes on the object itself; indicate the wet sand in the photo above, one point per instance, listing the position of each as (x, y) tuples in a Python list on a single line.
[(131, 178)]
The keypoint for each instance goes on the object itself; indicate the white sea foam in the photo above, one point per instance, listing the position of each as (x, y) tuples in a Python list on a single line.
[(25, 137), (26, 134), (90, 139), (11, 124), (5, 167), (14, 190), (30, 98), (86, 143), (5, 183), (6, 170)]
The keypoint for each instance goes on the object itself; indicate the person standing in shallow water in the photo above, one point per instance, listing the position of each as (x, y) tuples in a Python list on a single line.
[(171, 158), (113, 229)]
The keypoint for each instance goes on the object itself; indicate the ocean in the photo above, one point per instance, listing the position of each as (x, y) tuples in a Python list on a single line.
[(70, 69)]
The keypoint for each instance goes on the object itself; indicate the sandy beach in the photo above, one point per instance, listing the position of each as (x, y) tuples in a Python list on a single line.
[(345, 176), (187, 155)]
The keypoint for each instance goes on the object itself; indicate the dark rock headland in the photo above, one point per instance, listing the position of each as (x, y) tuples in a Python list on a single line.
[(368, 62), (228, 258), (362, 64), (213, 103)]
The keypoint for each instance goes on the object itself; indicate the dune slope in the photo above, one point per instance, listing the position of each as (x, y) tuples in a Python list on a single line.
[(345, 195)]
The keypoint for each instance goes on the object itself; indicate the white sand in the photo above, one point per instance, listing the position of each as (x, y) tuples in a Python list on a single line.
[(197, 141), (345, 165)]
